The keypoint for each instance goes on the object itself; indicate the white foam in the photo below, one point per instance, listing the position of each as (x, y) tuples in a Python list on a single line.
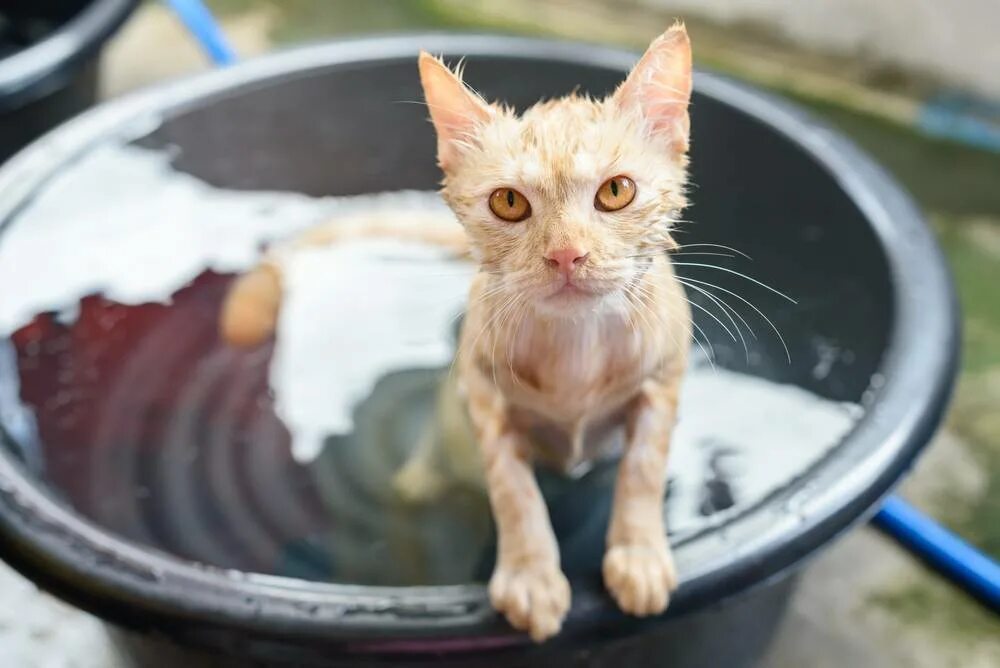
[(124, 223), (774, 433), (353, 313)]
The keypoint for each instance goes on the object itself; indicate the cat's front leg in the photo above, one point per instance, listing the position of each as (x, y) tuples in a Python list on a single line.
[(638, 566), (527, 585)]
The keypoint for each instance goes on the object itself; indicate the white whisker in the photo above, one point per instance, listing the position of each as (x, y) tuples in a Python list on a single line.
[(736, 273), (722, 246), (715, 300), (751, 305), (713, 317)]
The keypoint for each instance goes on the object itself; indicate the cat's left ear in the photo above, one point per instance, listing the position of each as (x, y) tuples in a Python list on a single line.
[(456, 111), (659, 86)]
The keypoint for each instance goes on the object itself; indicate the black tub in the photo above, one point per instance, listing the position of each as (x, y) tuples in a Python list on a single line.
[(48, 62), (147, 479)]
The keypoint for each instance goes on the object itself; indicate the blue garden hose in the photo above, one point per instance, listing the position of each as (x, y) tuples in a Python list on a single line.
[(941, 550), (198, 19), (948, 554)]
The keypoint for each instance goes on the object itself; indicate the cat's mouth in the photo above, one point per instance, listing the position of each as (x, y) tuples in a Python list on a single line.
[(568, 294), (572, 289), (572, 297), (569, 291)]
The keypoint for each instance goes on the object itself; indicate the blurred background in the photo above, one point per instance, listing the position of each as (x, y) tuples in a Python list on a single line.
[(914, 82)]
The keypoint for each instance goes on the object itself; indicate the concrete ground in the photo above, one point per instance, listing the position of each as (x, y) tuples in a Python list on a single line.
[(862, 602)]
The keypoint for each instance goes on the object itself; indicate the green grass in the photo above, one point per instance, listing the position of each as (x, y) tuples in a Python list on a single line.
[(975, 413), (977, 276), (976, 420), (934, 604)]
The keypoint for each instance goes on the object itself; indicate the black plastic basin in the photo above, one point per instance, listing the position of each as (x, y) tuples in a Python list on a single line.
[(48, 62), (147, 476)]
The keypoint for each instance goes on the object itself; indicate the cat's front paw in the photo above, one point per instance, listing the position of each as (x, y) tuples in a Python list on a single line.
[(640, 577), (533, 596)]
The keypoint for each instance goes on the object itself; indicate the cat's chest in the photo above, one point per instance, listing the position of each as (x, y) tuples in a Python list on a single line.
[(574, 371)]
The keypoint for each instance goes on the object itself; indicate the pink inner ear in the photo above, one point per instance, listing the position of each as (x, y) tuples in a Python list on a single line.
[(660, 86), (455, 110)]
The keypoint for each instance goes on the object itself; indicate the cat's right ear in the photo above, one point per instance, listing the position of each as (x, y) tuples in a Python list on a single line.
[(456, 111), (659, 86)]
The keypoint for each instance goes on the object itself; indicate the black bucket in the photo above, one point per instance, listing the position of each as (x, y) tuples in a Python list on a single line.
[(148, 479), (49, 55)]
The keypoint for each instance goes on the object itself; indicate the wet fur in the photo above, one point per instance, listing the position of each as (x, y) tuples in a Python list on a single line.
[(546, 377)]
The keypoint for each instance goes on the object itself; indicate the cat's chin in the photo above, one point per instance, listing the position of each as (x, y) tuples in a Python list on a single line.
[(571, 300)]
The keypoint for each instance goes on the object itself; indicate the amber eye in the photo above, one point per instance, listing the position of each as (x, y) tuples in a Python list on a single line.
[(510, 205), (615, 193)]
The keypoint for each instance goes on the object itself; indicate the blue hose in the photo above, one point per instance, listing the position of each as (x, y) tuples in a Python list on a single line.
[(944, 551), (205, 29), (941, 549)]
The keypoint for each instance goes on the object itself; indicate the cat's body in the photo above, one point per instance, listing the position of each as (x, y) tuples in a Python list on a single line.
[(577, 332), (567, 383)]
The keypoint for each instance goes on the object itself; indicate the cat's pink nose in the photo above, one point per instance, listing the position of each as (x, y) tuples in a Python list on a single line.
[(566, 260)]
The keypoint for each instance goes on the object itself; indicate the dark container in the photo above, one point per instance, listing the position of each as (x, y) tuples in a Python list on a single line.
[(49, 52), (820, 219)]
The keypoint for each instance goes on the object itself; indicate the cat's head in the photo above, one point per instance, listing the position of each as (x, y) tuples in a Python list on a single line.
[(569, 201)]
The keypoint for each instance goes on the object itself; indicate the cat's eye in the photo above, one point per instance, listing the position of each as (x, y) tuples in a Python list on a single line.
[(510, 205), (615, 193)]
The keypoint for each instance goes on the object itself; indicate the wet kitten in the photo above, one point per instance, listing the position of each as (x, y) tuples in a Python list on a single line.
[(576, 329)]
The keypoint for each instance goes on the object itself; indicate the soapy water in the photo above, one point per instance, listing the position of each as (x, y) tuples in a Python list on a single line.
[(280, 460)]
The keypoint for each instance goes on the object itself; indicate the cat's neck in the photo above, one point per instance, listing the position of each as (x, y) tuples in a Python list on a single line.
[(616, 319), (636, 321)]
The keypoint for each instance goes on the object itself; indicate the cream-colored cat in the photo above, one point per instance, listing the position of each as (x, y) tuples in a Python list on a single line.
[(576, 329)]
